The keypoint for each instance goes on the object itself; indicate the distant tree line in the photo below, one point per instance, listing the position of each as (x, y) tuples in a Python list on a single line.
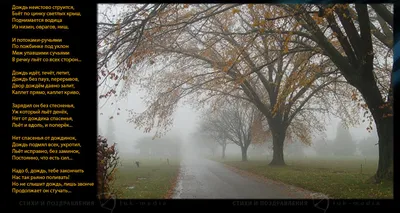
[(345, 145)]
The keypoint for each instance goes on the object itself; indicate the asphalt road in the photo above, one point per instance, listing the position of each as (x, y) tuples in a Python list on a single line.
[(205, 179)]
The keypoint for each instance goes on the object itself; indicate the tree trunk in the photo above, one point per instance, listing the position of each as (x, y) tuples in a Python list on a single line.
[(244, 153), (384, 128), (223, 151), (278, 138), (364, 81), (385, 133)]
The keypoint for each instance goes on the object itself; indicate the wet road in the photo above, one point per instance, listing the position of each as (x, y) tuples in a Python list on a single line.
[(201, 178)]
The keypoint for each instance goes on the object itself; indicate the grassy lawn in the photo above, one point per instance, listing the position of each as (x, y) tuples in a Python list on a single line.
[(154, 179), (337, 178)]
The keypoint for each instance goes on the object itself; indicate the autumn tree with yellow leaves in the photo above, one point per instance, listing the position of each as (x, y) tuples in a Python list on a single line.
[(358, 39), (294, 63), (219, 58)]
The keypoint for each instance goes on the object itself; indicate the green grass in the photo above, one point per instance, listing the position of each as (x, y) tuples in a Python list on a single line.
[(337, 178), (152, 180)]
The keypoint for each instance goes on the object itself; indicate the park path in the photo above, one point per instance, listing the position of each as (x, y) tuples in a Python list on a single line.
[(206, 179)]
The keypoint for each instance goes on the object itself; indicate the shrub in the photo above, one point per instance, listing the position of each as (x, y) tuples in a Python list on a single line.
[(107, 160)]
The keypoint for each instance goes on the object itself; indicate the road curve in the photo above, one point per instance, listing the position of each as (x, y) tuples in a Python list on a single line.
[(206, 179)]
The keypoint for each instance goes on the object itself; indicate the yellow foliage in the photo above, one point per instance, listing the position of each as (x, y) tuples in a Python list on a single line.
[(329, 11), (354, 96), (240, 80), (255, 23), (230, 62), (286, 43), (267, 15), (118, 28), (235, 10), (317, 19), (285, 49)]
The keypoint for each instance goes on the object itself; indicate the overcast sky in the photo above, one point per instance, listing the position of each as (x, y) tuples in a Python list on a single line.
[(185, 119)]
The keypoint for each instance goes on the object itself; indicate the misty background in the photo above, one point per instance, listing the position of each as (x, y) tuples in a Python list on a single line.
[(186, 121), (190, 95)]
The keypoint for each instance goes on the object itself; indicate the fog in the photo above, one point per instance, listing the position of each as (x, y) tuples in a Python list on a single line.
[(186, 119), (126, 134), (203, 100), (185, 123)]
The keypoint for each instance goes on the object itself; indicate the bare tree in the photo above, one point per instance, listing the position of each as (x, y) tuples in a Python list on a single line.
[(209, 126), (233, 122), (284, 59), (218, 136), (203, 140), (216, 58)]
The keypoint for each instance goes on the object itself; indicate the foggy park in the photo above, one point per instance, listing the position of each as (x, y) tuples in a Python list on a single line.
[(247, 101)]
